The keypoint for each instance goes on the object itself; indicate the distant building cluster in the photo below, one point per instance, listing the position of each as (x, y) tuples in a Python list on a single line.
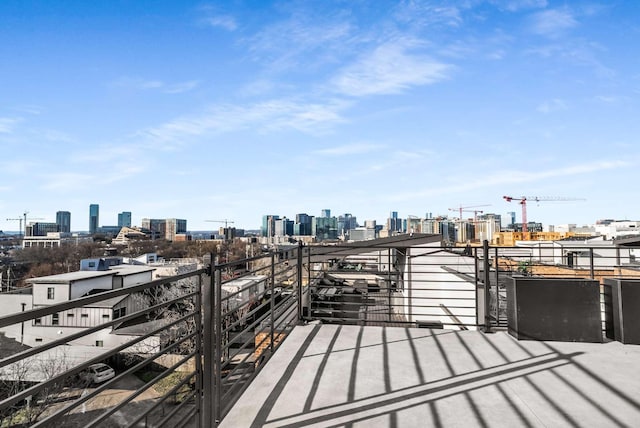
[(326, 227), (50, 235)]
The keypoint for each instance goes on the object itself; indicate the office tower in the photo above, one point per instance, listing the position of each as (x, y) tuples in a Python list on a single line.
[(94, 218), (394, 224), (174, 226), (41, 229), (283, 227), (268, 227), (302, 226), (124, 219), (346, 223), (325, 227), (63, 220), (157, 228), (325, 213)]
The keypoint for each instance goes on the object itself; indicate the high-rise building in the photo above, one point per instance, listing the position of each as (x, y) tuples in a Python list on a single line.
[(41, 229), (175, 226), (157, 227), (283, 227), (94, 218), (394, 224), (302, 226), (268, 228), (325, 227), (346, 223), (325, 213), (63, 220), (124, 219)]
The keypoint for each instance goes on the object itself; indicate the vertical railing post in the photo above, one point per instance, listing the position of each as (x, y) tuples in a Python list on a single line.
[(308, 266), (217, 354), (209, 360), (200, 354), (389, 281), (477, 280), (591, 268), (497, 276), (487, 287), (409, 284), (299, 281), (273, 281)]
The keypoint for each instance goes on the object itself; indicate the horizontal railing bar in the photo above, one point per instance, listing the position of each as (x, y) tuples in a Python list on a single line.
[(187, 418), (85, 332), (84, 301), (104, 386), (38, 387), (142, 389), (164, 398), (179, 407)]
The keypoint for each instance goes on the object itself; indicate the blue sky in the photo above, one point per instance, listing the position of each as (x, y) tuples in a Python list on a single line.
[(232, 110)]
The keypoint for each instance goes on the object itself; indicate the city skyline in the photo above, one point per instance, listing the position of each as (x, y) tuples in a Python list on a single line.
[(228, 111)]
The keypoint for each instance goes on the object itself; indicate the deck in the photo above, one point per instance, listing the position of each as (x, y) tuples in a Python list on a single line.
[(341, 375)]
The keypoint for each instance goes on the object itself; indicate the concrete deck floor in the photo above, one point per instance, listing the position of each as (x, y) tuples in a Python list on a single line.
[(333, 376)]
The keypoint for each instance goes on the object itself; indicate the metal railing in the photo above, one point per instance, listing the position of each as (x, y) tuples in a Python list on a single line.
[(446, 287), (209, 332), (182, 357)]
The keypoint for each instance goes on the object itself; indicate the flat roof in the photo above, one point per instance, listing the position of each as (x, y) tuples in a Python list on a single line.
[(130, 269), (66, 278), (338, 375)]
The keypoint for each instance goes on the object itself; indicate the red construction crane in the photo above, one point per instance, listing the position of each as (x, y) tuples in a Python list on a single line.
[(461, 208), (523, 201)]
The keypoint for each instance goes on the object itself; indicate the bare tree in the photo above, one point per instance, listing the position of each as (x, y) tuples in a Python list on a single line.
[(20, 375)]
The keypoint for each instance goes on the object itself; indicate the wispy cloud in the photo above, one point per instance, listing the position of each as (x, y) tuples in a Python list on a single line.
[(390, 69), (509, 177), (553, 22), (350, 149), (226, 22), (305, 40), (268, 116), (7, 124), (553, 105), (517, 5), (422, 14), (159, 85), (67, 181), (611, 99)]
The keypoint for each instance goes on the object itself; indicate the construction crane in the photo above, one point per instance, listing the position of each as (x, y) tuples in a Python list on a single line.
[(475, 213), (460, 209), (20, 220), (523, 201), (225, 221)]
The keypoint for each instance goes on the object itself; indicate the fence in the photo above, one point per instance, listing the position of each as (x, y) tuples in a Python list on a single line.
[(205, 335)]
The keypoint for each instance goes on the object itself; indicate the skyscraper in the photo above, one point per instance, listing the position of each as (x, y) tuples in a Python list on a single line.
[(124, 219), (63, 220), (94, 218)]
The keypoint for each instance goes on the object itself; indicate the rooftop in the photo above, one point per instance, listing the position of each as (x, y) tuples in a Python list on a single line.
[(65, 278), (340, 375)]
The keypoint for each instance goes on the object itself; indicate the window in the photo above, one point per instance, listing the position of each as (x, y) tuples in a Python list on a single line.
[(84, 315), (105, 316), (37, 321), (117, 313), (69, 315), (55, 319), (38, 339), (99, 343), (51, 292)]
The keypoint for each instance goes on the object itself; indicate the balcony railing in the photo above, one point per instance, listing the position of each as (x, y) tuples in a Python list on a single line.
[(209, 332)]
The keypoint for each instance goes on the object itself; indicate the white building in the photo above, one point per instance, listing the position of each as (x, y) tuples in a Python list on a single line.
[(53, 289)]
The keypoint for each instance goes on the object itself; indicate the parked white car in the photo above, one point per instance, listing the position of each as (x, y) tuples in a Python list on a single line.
[(97, 373)]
